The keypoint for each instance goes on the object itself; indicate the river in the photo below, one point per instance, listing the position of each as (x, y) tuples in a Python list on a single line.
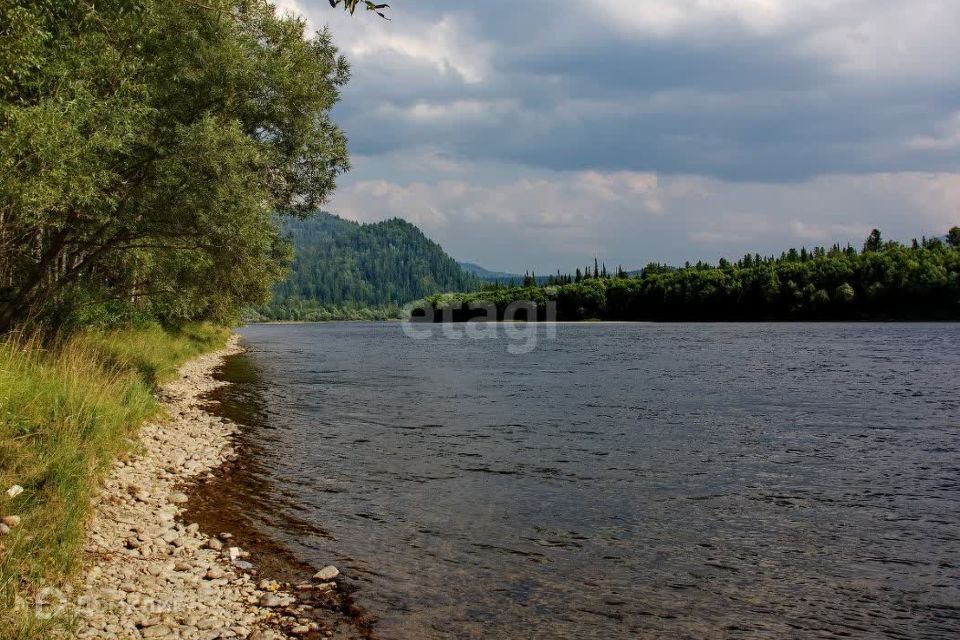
[(614, 480)]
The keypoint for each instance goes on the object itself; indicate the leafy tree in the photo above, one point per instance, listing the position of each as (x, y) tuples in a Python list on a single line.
[(145, 147), (887, 281), (953, 237), (874, 242)]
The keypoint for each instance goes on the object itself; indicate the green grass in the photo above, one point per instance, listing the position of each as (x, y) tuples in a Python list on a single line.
[(67, 411)]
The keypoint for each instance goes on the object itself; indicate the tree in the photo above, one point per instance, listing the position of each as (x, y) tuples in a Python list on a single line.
[(145, 150), (896, 283), (874, 242), (953, 237)]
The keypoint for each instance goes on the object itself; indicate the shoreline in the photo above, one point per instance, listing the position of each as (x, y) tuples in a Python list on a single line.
[(151, 574)]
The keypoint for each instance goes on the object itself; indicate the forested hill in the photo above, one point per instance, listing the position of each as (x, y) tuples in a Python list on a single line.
[(345, 269)]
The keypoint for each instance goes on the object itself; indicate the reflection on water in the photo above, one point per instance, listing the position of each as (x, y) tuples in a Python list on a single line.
[(619, 481)]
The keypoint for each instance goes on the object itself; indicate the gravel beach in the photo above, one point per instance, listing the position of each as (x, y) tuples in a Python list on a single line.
[(150, 574)]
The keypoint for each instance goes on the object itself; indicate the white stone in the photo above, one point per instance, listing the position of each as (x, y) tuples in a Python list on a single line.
[(270, 600), (215, 573), (326, 574)]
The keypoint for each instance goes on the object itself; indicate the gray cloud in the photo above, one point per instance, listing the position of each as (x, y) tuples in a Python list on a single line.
[(773, 103)]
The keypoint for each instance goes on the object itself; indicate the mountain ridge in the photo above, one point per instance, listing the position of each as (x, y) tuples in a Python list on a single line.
[(347, 269)]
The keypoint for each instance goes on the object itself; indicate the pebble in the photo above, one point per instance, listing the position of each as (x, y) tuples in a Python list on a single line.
[(155, 576), (14, 491), (4, 529), (159, 631), (215, 573), (270, 600), (327, 574), (12, 521)]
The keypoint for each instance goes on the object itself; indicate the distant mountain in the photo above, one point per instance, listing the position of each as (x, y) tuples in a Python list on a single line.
[(341, 266), (503, 277), (489, 276)]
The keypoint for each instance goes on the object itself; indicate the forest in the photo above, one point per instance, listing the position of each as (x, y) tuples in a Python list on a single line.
[(342, 270), (882, 281)]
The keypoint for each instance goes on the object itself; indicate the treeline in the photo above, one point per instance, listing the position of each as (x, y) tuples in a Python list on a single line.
[(311, 311), (147, 149), (343, 270), (884, 280)]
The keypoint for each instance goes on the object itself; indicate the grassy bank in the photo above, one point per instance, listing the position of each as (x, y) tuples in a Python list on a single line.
[(66, 411)]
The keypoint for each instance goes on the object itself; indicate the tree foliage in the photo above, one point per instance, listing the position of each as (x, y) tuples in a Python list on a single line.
[(345, 270), (953, 237), (885, 281), (351, 6), (145, 146)]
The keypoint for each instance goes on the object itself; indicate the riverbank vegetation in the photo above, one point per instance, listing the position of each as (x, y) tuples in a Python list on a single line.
[(884, 280), (148, 152), (67, 409), (312, 311)]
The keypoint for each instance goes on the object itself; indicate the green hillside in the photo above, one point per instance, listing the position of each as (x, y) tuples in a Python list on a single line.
[(345, 270)]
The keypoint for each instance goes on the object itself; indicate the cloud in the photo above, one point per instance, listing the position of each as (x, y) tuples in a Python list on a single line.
[(884, 40), (563, 219), (542, 133), (435, 39), (671, 18), (947, 138), (570, 201), (441, 44)]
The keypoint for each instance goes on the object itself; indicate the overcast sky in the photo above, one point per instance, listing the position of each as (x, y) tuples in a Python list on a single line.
[(540, 134)]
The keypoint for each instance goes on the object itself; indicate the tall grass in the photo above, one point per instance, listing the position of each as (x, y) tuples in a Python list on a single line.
[(66, 411)]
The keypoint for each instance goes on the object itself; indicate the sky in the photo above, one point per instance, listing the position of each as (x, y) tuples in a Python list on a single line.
[(541, 134)]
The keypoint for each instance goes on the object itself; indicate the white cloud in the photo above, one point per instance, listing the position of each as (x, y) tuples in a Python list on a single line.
[(439, 41), (911, 40), (947, 137), (671, 18), (441, 44), (458, 111), (907, 39), (530, 201), (561, 219)]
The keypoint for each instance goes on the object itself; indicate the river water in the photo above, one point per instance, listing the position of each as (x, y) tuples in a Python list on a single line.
[(614, 480)]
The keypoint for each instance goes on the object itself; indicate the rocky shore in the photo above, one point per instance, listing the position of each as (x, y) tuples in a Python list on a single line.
[(153, 575)]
